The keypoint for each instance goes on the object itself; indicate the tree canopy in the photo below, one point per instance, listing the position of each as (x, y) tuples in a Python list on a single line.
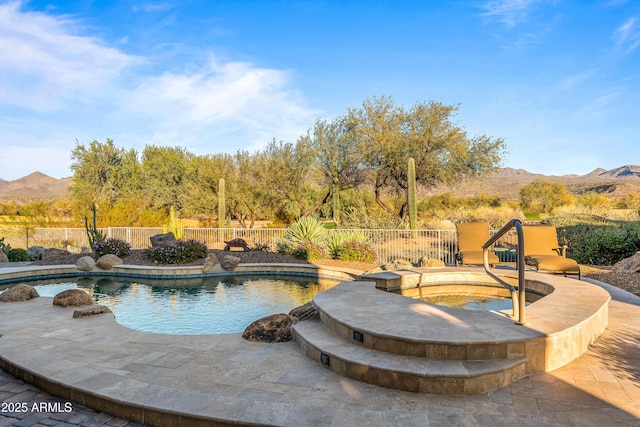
[(366, 149)]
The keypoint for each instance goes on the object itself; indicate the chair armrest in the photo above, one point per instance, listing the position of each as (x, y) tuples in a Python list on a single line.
[(562, 250)]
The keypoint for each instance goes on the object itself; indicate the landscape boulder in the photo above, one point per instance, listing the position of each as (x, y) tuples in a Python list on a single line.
[(628, 265), (35, 253), (396, 264), (209, 262), (306, 311), (106, 262), (86, 263), (3, 256), (52, 253), (165, 239), (230, 262), (274, 328), (72, 298), (21, 292), (427, 262), (91, 310)]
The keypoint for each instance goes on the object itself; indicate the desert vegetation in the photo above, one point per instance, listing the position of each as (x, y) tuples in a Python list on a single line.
[(367, 169)]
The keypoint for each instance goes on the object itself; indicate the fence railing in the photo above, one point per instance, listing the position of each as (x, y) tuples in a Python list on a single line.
[(388, 244)]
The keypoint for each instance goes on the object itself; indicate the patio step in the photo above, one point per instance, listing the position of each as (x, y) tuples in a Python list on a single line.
[(401, 372)]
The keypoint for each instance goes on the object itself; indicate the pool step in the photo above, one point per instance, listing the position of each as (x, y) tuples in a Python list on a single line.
[(401, 372)]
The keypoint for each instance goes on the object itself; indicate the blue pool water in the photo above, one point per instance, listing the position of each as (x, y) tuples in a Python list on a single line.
[(213, 305)]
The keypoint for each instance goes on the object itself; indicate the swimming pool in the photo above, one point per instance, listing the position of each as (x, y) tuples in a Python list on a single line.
[(209, 305)]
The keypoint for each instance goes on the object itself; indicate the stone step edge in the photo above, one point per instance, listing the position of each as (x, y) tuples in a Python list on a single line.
[(367, 365), (432, 349)]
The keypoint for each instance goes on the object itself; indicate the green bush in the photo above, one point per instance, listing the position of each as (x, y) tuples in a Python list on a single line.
[(355, 250), (117, 247), (600, 244), (308, 250), (18, 255), (183, 251)]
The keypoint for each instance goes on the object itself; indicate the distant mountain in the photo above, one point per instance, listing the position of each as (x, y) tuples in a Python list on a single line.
[(505, 183), (631, 171), (34, 187)]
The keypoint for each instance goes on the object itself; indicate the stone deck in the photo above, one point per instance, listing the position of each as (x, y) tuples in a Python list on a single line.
[(221, 379)]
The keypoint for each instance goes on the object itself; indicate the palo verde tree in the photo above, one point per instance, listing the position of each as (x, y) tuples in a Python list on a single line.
[(544, 195), (103, 174), (388, 135), (336, 157), (163, 174)]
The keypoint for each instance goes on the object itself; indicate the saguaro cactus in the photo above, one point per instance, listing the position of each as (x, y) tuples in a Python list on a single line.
[(335, 191), (221, 203), (411, 182)]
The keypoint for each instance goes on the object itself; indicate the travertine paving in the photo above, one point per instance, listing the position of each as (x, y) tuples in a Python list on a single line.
[(178, 380)]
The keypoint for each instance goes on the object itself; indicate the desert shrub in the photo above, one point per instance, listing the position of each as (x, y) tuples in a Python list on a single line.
[(114, 246), (337, 239), (261, 246), (355, 250), (308, 250), (18, 255), (600, 244), (302, 230), (181, 252)]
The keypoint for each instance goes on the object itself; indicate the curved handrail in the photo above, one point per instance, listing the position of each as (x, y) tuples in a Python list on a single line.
[(519, 297)]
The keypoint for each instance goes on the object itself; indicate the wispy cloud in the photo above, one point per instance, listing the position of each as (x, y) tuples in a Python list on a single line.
[(77, 86), (44, 64), (509, 12), (627, 36), (152, 7)]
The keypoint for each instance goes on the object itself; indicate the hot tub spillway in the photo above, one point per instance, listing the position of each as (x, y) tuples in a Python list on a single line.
[(400, 343)]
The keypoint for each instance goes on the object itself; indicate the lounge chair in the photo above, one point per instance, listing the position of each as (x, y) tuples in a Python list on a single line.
[(542, 251), (471, 237)]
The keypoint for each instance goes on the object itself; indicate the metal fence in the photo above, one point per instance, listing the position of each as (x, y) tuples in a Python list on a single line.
[(388, 244)]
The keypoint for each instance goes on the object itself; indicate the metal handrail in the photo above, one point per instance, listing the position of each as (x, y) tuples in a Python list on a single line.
[(519, 297)]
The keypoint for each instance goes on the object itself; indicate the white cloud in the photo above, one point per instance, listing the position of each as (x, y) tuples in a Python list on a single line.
[(58, 84), (221, 100), (509, 12), (45, 65), (627, 36)]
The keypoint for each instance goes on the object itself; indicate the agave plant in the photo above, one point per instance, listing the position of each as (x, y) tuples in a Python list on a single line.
[(303, 230)]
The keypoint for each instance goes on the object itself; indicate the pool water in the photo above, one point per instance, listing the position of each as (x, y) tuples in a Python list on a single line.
[(471, 302), (213, 305)]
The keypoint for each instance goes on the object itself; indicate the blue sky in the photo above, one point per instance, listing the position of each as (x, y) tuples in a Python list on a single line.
[(559, 80)]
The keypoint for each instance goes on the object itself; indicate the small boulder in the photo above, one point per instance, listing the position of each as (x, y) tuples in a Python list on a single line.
[(35, 253), (21, 292), (209, 262), (274, 328), (628, 265), (230, 262), (306, 311), (91, 310), (105, 262), (165, 239), (3, 256), (427, 262), (72, 297), (86, 263)]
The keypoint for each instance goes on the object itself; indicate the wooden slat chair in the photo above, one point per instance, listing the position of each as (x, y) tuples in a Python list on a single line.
[(471, 237), (542, 251)]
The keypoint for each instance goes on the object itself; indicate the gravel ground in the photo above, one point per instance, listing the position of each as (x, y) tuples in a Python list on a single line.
[(627, 281)]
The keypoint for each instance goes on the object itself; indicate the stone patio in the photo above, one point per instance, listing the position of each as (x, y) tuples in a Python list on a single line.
[(221, 379)]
